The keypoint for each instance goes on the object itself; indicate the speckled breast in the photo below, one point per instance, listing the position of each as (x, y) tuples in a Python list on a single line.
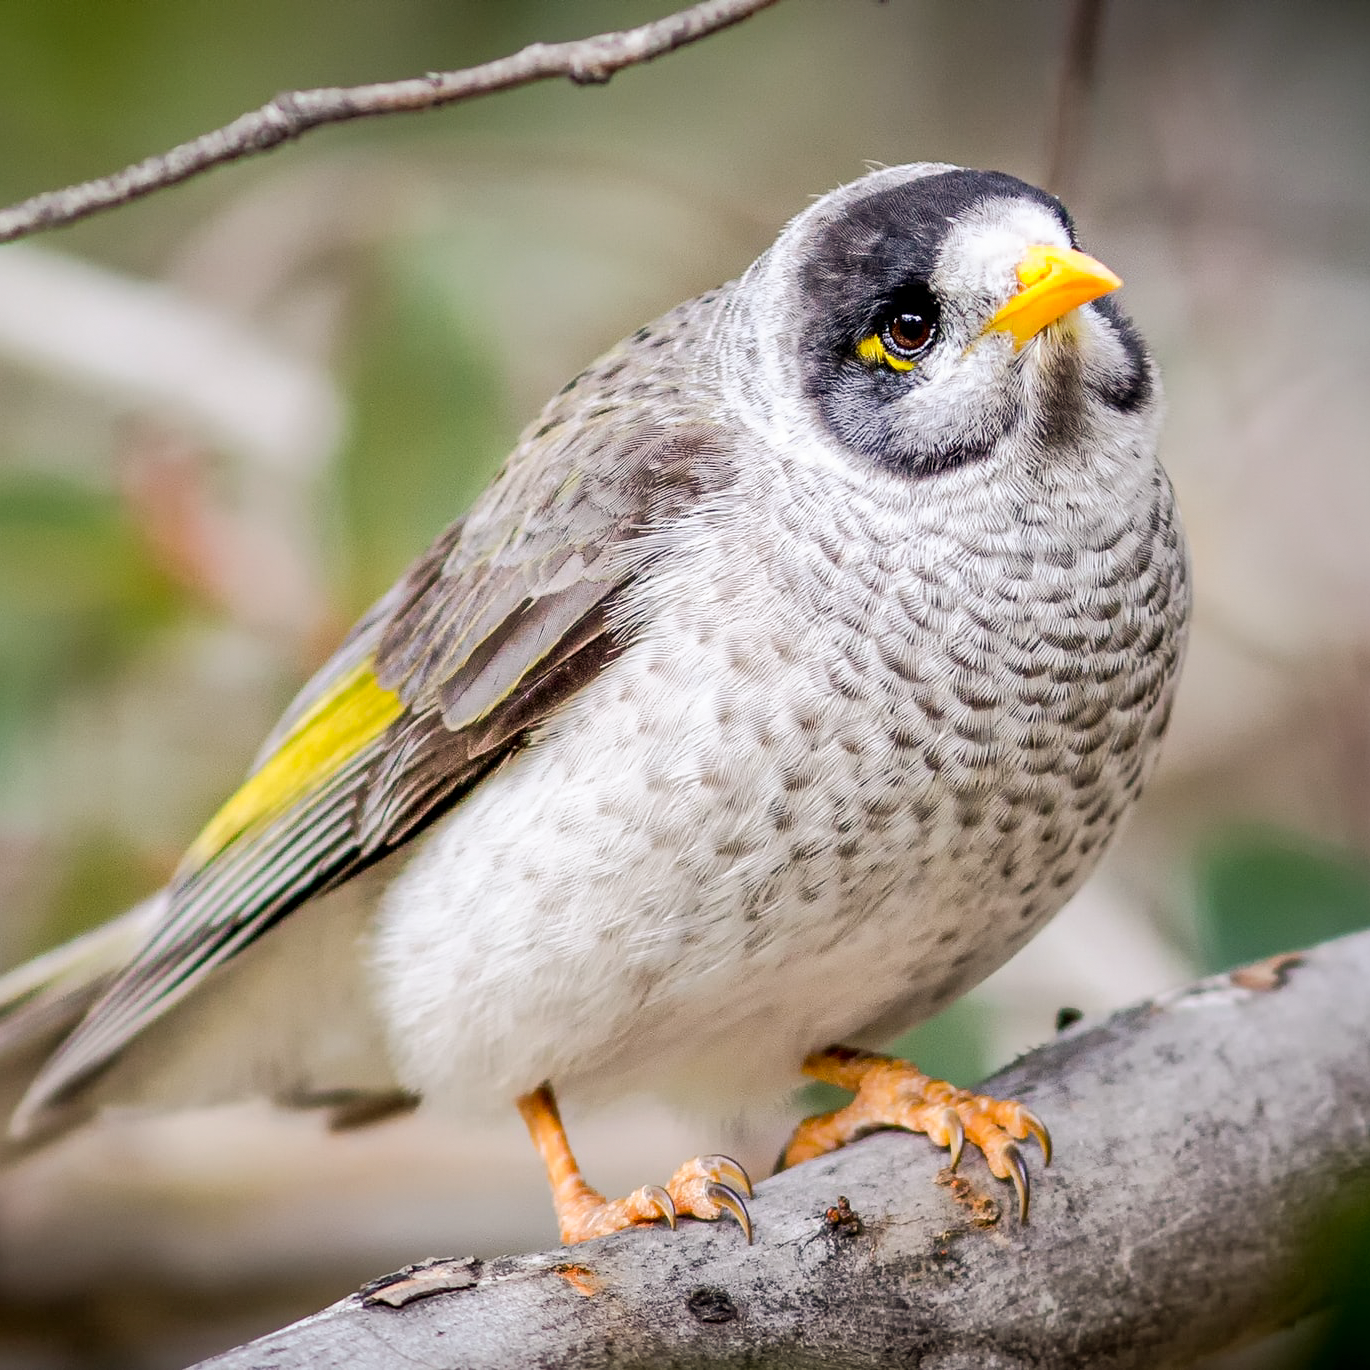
[(929, 726)]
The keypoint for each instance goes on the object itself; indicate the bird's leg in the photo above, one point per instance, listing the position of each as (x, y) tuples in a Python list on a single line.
[(706, 1187), (893, 1093)]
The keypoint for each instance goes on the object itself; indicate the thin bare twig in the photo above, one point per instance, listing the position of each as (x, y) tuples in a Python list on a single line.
[(585, 61), (1073, 95)]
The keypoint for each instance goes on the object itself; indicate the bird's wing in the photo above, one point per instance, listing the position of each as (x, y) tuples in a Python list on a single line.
[(505, 617)]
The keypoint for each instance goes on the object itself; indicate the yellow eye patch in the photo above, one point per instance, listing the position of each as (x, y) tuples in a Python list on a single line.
[(873, 352)]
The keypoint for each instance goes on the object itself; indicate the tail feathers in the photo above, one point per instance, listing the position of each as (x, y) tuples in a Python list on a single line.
[(43, 1000)]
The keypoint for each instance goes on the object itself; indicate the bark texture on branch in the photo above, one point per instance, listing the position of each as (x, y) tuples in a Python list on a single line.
[(586, 61), (1198, 1136)]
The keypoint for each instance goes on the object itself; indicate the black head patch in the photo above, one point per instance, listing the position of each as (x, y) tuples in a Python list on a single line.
[(858, 262), (858, 267), (1134, 387)]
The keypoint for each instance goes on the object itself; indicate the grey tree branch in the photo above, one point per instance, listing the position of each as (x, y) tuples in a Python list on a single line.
[(584, 61), (1198, 1137)]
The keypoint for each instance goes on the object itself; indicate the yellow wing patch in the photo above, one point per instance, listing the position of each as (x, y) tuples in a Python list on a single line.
[(353, 713)]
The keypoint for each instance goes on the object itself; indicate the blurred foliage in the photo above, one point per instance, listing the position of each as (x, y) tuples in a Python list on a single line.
[(1339, 1252), (78, 592), (1261, 891), (100, 871), (431, 414)]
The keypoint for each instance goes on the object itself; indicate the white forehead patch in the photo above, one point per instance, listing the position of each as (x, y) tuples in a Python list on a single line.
[(981, 253)]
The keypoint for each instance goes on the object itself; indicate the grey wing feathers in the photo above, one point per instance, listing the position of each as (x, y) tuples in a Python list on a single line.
[(506, 617), (43, 999), (209, 918), (54, 991)]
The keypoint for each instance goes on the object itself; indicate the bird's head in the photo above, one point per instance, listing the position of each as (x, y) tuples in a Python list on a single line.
[(930, 317)]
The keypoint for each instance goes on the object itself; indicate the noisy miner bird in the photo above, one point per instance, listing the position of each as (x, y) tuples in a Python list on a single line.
[(795, 669)]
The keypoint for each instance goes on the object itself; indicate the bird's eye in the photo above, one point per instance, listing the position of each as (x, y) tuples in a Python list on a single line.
[(911, 325), (908, 334), (904, 333)]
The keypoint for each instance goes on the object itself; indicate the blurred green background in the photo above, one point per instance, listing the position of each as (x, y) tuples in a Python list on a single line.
[(230, 415)]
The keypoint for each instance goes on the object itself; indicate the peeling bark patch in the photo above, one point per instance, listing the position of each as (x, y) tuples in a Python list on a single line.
[(1264, 976), (437, 1275), (983, 1209), (711, 1305), (580, 1277)]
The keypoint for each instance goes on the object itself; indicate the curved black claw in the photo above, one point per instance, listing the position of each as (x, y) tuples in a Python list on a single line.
[(727, 1171), (731, 1202), (1018, 1173), (662, 1199), (1039, 1130)]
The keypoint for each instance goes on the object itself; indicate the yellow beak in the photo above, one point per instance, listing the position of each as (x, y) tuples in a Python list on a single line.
[(1054, 281)]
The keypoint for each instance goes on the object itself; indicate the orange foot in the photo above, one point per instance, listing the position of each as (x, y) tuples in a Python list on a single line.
[(892, 1093), (706, 1187)]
